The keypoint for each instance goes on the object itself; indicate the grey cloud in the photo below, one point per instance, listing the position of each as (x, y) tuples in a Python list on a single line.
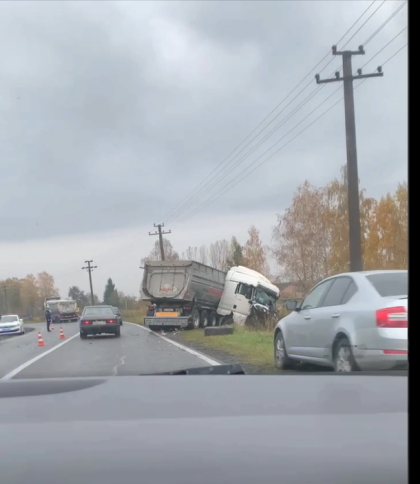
[(100, 129)]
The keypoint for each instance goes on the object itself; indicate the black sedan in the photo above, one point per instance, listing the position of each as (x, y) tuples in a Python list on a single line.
[(99, 320), (118, 314)]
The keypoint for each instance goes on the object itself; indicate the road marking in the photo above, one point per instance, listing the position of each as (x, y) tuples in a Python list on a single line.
[(203, 357), (17, 370)]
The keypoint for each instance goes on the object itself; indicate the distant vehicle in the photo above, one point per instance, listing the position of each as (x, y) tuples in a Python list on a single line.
[(188, 294), (11, 324), (118, 314), (47, 300), (352, 321), (99, 320), (63, 310)]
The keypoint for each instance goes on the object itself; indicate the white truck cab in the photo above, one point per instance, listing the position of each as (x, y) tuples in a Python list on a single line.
[(244, 288)]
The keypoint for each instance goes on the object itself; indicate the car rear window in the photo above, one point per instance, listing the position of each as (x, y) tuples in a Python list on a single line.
[(390, 283), (98, 312)]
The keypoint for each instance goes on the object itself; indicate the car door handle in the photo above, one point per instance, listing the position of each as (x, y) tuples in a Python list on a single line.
[(307, 317), (234, 306), (335, 315)]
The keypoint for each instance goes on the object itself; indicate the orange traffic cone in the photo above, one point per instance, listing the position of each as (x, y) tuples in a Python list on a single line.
[(52, 327), (40, 340), (62, 333)]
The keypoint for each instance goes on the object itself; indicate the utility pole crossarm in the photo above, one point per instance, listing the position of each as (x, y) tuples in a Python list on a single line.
[(160, 233), (355, 236)]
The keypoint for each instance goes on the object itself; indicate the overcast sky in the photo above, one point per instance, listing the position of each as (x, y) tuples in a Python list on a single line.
[(113, 112)]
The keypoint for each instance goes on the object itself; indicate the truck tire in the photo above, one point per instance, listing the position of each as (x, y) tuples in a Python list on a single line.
[(213, 319), (204, 319), (195, 319)]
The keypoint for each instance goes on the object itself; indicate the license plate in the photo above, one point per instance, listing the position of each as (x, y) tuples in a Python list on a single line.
[(167, 315), (182, 322), (99, 323)]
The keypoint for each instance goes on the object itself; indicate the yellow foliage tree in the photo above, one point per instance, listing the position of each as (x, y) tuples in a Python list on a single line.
[(254, 254), (311, 238), (388, 238)]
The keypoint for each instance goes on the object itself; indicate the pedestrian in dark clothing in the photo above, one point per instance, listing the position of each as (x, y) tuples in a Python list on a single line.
[(48, 318)]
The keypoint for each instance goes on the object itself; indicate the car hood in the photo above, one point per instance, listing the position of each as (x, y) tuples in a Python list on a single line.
[(331, 429)]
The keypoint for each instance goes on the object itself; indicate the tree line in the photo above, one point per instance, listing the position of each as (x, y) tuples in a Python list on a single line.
[(26, 296), (310, 240)]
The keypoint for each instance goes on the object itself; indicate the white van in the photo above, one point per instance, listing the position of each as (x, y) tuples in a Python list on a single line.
[(245, 288)]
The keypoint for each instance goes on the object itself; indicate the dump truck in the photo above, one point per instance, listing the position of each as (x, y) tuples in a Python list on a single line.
[(63, 310), (181, 294)]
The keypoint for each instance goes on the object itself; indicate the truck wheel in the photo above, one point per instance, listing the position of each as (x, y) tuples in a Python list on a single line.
[(204, 319), (213, 319), (195, 319)]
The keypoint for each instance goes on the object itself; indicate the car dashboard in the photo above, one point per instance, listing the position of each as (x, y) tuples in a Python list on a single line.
[(202, 429)]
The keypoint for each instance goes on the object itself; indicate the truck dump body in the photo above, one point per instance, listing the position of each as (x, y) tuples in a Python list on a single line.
[(173, 285)]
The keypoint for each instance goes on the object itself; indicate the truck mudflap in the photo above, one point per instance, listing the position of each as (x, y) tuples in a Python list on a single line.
[(162, 322)]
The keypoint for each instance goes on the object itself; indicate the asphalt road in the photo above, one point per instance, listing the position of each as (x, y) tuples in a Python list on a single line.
[(137, 351)]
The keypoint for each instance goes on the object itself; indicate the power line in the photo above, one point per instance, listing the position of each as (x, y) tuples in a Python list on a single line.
[(245, 175), (217, 178), (199, 186)]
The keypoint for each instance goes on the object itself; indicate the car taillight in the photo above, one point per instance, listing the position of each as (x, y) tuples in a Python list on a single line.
[(392, 317), (86, 322), (111, 321)]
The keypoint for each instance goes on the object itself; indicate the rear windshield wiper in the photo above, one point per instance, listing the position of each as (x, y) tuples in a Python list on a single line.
[(235, 369)]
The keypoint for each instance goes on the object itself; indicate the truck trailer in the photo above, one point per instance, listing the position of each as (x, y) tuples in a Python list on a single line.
[(181, 294), (63, 310), (187, 294)]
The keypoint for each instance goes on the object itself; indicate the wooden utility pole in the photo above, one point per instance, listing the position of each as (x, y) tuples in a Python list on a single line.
[(355, 238), (90, 268), (161, 233)]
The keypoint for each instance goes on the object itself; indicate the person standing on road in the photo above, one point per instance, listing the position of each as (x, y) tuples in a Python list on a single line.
[(48, 318)]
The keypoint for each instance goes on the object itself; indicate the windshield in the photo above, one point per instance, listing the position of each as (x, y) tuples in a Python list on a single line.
[(263, 296), (168, 165), (390, 283), (8, 319), (101, 312)]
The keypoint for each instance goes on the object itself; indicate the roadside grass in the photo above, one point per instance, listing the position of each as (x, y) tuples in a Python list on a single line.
[(254, 347), (134, 316)]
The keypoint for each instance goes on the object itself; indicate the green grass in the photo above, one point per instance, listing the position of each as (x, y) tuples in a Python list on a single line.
[(134, 316), (253, 347)]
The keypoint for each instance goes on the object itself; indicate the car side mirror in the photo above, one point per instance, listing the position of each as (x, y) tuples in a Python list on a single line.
[(291, 305)]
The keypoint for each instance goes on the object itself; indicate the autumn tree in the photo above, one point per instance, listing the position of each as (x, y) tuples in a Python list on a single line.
[(199, 254), (235, 257), (170, 253), (387, 244), (337, 224), (300, 241), (46, 285), (30, 303), (254, 253)]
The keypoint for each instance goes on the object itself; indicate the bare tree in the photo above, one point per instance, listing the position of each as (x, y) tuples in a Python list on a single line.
[(191, 254), (219, 254), (170, 253), (203, 255)]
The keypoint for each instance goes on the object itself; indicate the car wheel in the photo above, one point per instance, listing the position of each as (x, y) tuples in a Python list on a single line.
[(83, 335), (281, 360), (118, 333), (343, 360)]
